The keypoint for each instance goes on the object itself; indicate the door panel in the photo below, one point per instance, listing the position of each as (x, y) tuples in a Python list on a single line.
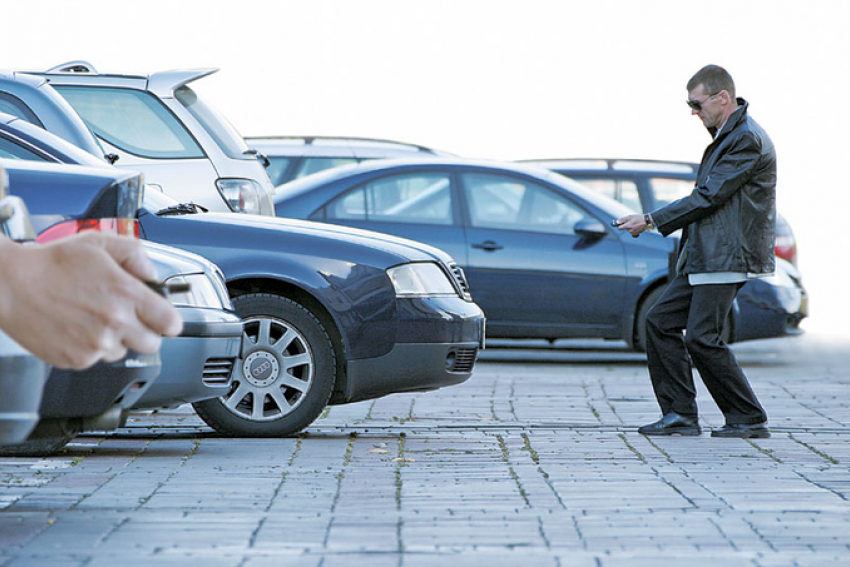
[(528, 269)]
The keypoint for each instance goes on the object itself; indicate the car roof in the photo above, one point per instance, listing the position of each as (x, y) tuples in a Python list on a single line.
[(619, 165), (350, 146), (162, 83)]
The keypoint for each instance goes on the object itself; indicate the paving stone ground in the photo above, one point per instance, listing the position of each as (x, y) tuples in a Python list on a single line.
[(534, 461)]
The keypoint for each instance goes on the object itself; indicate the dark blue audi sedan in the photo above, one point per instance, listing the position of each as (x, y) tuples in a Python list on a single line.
[(538, 250), (331, 314)]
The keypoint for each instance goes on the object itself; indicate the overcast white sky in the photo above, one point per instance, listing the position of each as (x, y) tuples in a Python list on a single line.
[(501, 79)]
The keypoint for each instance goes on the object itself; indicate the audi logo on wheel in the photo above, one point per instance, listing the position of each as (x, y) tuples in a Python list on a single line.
[(260, 368)]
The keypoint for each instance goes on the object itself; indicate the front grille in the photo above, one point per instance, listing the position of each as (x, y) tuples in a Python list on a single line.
[(464, 360), (460, 279), (217, 371)]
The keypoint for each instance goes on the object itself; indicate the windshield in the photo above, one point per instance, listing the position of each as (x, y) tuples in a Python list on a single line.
[(225, 135)]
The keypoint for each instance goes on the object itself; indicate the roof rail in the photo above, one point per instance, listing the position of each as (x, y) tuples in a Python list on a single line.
[(622, 164), (77, 66), (309, 140)]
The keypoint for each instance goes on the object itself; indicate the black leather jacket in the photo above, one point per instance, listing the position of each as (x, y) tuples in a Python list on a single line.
[(729, 219)]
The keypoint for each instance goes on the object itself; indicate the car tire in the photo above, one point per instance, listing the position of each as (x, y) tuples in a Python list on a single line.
[(286, 374), (640, 322)]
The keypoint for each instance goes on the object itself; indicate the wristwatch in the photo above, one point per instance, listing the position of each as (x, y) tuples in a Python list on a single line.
[(647, 218)]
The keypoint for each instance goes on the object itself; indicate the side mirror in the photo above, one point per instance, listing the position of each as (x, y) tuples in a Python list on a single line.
[(591, 228)]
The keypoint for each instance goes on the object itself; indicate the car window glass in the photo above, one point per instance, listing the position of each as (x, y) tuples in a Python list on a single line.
[(313, 165), (133, 121), (411, 198), (224, 134), (622, 190), (277, 169), (667, 190), (13, 105), (11, 150), (504, 202)]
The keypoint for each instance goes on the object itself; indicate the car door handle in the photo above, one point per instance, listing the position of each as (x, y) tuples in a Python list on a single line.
[(488, 246)]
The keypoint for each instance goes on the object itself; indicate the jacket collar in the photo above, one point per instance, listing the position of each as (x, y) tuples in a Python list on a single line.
[(736, 118)]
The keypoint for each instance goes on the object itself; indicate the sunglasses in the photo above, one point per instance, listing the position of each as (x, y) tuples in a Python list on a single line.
[(697, 104)]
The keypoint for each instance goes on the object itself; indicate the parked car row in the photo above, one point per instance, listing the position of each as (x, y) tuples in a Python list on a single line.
[(360, 288), (296, 314), (766, 308)]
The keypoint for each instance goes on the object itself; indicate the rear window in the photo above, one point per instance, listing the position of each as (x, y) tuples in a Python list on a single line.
[(133, 121)]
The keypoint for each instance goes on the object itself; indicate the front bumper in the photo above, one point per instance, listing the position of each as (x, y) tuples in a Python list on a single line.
[(198, 364), (96, 390), (437, 344), (767, 310)]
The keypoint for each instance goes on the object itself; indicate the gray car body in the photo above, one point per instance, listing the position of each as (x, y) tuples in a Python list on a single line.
[(199, 363), (22, 375)]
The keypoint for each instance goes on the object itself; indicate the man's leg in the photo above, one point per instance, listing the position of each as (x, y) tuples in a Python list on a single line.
[(715, 361), (669, 364)]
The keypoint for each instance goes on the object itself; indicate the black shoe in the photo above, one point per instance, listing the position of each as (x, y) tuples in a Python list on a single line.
[(672, 424), (743, 431)]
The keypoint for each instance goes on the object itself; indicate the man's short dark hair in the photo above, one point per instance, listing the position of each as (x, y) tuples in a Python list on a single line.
[(713, 79)]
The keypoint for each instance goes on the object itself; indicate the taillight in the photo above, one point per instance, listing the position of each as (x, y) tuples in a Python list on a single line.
[(124, 227), (786, 248), (785, 245)]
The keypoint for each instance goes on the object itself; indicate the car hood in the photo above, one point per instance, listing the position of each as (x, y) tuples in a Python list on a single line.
[(406, 250)]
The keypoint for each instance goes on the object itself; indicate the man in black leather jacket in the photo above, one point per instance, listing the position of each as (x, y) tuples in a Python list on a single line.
[(727, 227)]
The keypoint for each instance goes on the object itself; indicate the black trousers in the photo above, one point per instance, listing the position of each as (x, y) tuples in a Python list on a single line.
[(701, 311)]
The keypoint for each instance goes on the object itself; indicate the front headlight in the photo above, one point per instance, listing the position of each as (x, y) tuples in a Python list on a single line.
[(421, 280), (243, 195), (202, 292)]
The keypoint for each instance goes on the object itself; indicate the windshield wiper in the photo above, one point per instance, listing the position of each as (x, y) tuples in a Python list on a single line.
[(182, 209)]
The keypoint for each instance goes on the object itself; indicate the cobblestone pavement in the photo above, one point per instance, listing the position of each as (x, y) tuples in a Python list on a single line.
[(534, 461)]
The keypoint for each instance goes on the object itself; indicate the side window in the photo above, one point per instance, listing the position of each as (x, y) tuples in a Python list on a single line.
[(622, 190), (16, 107), (314, 165), (666, 190), (11, 150), (423, 198), (133, 121), (504, 202)]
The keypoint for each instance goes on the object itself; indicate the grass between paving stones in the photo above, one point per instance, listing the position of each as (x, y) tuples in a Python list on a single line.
[(817, 452), (514, 475)]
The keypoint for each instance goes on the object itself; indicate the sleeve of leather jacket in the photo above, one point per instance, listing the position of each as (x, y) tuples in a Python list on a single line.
[(728, 175)]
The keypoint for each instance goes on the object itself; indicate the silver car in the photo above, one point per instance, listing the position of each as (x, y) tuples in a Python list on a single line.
[(293, 157), (158, 125), (22, 375)]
